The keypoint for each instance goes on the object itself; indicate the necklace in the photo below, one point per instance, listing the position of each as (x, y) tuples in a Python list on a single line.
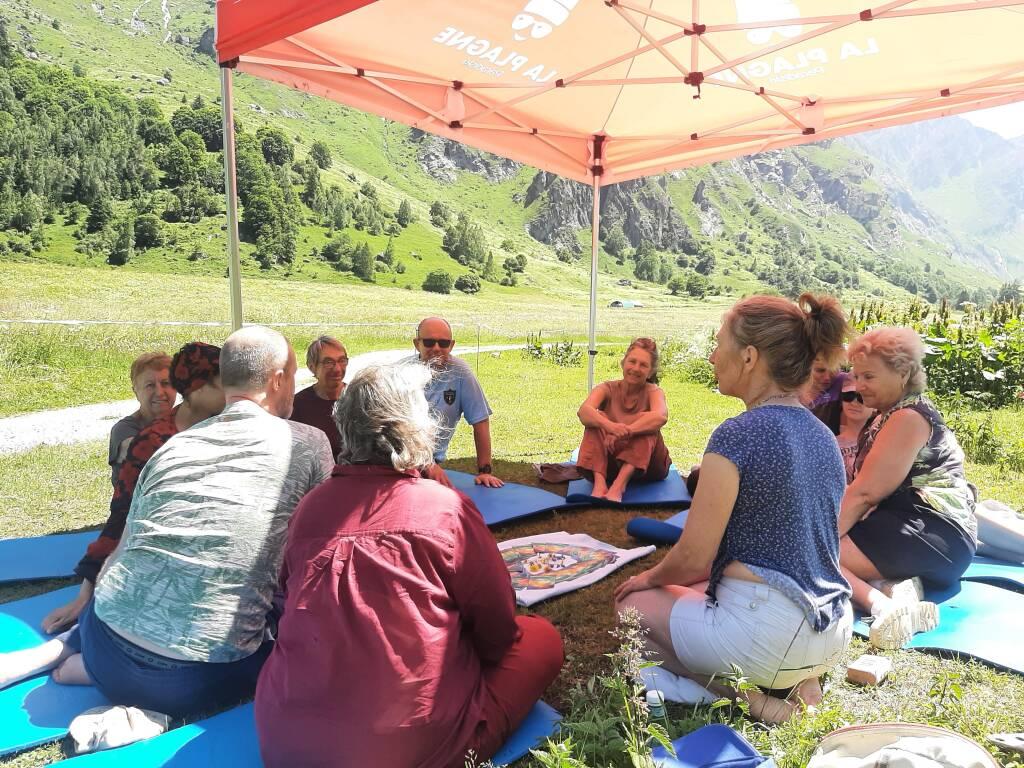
[(771, 398)]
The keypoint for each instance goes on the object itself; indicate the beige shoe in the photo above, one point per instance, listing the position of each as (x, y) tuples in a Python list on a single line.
[(898, 622)]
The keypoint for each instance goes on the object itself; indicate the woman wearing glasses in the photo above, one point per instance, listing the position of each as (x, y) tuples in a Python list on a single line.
[(327, 360), (622, 426), (909, 512), (852, 419)]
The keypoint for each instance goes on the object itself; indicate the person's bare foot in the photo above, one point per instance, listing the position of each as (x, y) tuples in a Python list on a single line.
[(71, 672), (809, 692), (600, 489), (614, 494), (769, 709)]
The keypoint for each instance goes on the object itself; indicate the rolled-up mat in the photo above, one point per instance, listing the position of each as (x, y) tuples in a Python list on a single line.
[(228, 740), (658, 531), (976, 620), (713, 746), (511, 501), (43, 557), (38, 710)]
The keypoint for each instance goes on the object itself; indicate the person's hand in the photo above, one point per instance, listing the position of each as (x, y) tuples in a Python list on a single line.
[(490, 480), (63, 617), (617, 430), (435, 472), (637, 583)]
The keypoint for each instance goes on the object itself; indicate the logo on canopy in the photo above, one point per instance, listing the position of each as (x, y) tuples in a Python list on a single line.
[(539, 18), (754, 11)]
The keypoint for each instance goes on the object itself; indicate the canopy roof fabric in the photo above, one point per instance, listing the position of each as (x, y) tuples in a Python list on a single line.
[(610, 90)]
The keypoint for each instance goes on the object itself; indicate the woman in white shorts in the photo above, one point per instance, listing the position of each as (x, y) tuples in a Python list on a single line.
[(753, 584)]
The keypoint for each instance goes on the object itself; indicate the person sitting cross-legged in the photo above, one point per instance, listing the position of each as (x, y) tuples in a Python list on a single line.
[(179, 620), (909, 512), (622, 440), (754, 582), (399, 643), (195, 374)]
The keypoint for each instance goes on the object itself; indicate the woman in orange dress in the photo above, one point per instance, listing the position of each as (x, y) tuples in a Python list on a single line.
[(623, 419)]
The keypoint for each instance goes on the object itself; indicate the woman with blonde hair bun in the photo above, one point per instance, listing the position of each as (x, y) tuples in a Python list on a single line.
[(754, 582)]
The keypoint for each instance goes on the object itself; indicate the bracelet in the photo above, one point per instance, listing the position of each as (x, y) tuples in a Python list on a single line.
[(484, 469)]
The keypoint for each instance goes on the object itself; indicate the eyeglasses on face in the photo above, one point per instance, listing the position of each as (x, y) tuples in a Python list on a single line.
[(330, 362), (442, 343), (850, 395)]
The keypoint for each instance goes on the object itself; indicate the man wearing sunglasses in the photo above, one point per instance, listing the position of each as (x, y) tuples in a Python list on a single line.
[(454, 392)]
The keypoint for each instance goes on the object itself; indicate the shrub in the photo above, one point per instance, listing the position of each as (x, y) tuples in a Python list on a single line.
[(468, 283), (438, 281), (148, 231)]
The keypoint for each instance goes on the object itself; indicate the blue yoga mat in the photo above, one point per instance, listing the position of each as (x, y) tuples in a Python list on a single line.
[(42, 557), (976, 620), (228, 740), (658, 531), (996, 572), (38, 710), (511, 501), (713, 746), (670, 492)]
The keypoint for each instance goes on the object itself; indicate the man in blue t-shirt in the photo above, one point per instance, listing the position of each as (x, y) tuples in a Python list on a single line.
[(453, 392)]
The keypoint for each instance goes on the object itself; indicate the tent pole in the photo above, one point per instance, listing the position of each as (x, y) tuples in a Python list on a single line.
[(594, 229), (231, 193)]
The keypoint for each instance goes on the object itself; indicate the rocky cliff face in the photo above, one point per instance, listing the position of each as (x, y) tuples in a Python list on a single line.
[(642, 208), (442, 159)]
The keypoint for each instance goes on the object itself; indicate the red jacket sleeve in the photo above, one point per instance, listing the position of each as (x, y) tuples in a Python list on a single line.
[(482, 589)]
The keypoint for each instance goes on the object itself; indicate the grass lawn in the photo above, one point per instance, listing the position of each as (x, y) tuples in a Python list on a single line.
[(66, 488)]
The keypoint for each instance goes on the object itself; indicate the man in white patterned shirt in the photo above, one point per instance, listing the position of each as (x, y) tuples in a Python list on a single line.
[(178, 623)]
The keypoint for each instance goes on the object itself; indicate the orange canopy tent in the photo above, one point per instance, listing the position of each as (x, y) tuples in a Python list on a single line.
[(603, 91)]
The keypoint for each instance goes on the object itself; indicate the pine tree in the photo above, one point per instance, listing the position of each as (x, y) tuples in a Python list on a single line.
[(123, 247), (404, 216), (362, 263)]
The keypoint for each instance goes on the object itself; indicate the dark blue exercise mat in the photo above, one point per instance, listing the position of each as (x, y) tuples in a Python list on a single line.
[(713, 746), (999, 573), (511, 501), (658, 531), (670, 492), (228, 740), (976, 620), (38, 710), (43, 557)]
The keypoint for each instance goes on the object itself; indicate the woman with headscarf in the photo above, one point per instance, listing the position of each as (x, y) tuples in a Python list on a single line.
[(195, 375)]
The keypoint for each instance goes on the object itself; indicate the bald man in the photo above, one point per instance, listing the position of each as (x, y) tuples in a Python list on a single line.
[(454, 392)]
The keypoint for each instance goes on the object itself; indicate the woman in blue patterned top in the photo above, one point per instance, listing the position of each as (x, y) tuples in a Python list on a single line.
[(754, 582), (909, 512)]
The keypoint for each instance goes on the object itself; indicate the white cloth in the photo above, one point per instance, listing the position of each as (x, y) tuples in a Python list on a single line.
[(1000, 531), (899, 745), (110, 727), (551, 564)]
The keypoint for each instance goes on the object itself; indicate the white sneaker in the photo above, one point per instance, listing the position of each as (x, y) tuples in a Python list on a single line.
[(897, 622), (674, 687)]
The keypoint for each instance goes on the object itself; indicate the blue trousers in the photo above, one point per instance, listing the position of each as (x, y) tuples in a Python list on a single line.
[(133, 676)]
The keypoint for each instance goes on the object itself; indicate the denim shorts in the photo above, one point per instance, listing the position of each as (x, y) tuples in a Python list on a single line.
[(128, 674), (759, 630)]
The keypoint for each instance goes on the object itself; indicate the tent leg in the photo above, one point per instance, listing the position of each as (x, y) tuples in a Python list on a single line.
[(231, 193), (595, 226)]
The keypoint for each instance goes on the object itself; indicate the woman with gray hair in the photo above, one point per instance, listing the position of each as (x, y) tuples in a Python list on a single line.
[(908, 516), (399, 643)]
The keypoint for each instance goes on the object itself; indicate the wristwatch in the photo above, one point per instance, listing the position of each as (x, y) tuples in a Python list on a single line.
[(484, 469)]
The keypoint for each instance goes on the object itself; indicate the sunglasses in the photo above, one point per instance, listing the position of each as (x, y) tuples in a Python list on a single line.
[(850, 395), (442, 343)]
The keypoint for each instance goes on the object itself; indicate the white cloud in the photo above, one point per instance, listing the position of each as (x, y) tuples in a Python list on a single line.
[(1007, 121)]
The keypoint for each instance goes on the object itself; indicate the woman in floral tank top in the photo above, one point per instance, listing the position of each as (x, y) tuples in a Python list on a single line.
[(909, 512)]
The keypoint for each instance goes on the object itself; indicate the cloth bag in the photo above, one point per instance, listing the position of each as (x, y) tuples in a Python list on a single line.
[(899, 745)]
